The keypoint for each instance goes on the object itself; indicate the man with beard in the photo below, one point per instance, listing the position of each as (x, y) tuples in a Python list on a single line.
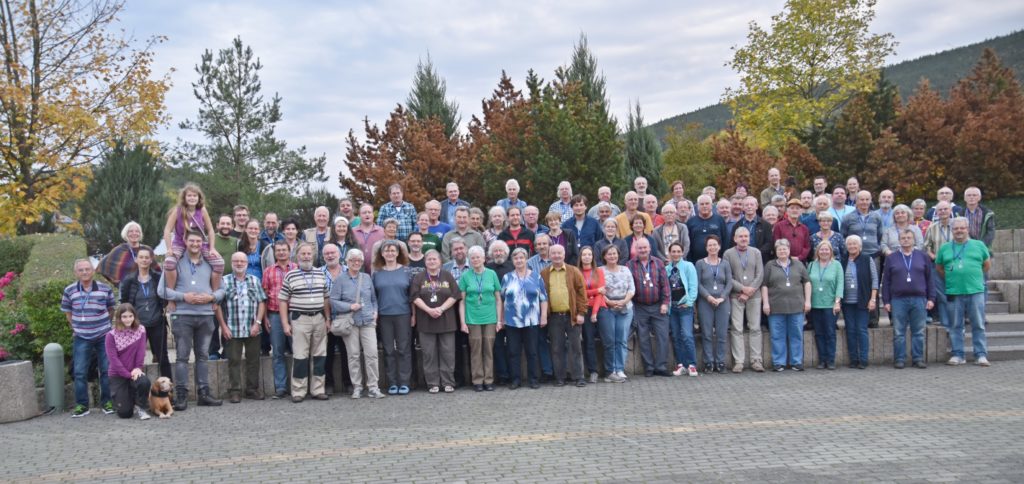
[(318, 234), (303, 307), (269, 235), (240, 217), (226, 244), (885, 201)]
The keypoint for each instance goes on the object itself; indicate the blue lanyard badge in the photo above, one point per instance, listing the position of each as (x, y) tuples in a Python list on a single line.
[(907, 262)]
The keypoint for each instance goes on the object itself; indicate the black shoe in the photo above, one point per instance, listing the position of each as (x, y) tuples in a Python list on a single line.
[(205, 400), (514, 385), (662, 373), (852, 365), (709, 368), (488, 388), (648, 373), (581, 383), (279, 395), (560, 383), (920, 365), (831, 366), (862, 365), (478, 388), (821, 365), (798, 367), (720, 368), (534, 385), (899, 365), (180, 400), (779, 368)]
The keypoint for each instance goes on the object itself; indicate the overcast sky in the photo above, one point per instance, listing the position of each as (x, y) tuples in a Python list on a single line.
[(334, 63)]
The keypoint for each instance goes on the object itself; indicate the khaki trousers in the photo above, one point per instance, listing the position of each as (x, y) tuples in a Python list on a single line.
[(362, 341), (309, 341), (752, 310), (481, 352)]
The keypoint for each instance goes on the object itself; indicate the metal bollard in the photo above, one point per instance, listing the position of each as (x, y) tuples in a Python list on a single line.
[(53, 377)]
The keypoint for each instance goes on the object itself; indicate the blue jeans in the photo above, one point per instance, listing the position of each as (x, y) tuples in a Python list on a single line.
[(590, 328), (968, 306), (680, 321), (192, 331), (942, 306), (824, 322), (83, 352), (856, 333), (787, 329), (519, 340), (278, 343), (908, 312), (615, 336)]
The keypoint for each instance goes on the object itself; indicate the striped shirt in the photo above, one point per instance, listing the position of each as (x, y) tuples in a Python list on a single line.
[(304, 291), (89, 309), (242, 300)]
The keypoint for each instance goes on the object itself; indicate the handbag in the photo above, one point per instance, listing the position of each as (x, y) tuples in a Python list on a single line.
[(343, 323)]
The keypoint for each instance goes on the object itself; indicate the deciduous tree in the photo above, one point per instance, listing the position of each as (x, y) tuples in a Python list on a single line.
[(796, 75), (71, 84), (688, 157)]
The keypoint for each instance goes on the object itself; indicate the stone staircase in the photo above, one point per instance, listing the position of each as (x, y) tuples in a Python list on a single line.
[(1005, 307)]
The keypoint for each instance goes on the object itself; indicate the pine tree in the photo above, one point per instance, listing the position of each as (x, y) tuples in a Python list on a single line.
[(583, 69), (243, 159), (643, 153), (428, 98), (126, 187)]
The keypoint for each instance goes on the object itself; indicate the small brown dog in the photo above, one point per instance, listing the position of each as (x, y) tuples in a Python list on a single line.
[(160, 397)]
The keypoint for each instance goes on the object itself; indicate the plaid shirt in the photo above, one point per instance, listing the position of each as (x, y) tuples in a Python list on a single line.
[(651, 282), (242, 300), (405, 214), (273, 278)]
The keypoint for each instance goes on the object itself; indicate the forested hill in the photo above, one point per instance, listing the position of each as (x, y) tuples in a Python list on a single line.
[(943, 70)]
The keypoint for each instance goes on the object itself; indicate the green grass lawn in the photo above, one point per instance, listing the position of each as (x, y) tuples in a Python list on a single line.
[(1009, 212)]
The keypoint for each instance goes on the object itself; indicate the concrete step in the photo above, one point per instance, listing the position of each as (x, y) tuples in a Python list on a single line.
[(1000, 339), (997, 307), (994, 296)]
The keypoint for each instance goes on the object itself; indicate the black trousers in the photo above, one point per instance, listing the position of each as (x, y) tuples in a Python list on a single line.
[(128, 393), (156, 334)]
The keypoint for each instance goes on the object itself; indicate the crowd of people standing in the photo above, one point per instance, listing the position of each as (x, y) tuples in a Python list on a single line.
[(510, 283)]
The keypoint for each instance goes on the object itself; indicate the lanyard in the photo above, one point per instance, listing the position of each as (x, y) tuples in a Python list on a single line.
[(479, 286), (88, 296), (945, 232), (192, 267), (132, 252), (433, 284), (145, 287), (821, 277), (959, 255), (716, 267), (907, 261), (786, 268), (309, 280), (646, 270), (743, 260)]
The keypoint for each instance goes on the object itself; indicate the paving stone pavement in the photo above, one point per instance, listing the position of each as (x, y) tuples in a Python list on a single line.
[(937, 425)]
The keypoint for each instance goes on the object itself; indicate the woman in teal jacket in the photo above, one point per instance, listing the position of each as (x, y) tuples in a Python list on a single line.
[(682, 278)]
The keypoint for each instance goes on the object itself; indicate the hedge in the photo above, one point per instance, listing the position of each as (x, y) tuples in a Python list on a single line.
[(14, 253)]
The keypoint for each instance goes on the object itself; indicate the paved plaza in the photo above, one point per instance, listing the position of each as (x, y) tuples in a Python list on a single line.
[(937, 425)]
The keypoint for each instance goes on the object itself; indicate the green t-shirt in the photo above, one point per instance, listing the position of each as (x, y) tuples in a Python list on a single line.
[(827, 285), (478, 292), (964, 266), (226, 246)]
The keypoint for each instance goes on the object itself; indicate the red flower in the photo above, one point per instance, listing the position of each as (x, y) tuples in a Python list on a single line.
[(17, 329)]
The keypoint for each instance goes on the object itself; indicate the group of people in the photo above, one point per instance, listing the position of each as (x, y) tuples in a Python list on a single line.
[(509, 286)]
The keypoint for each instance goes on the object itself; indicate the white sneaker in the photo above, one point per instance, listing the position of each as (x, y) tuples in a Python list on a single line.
[(955, 361), (623, 376), (143, 415), (983, 361), (691, 370), (679, 370)]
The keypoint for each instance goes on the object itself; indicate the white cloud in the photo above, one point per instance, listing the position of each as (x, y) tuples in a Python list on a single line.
[(335, 63)]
